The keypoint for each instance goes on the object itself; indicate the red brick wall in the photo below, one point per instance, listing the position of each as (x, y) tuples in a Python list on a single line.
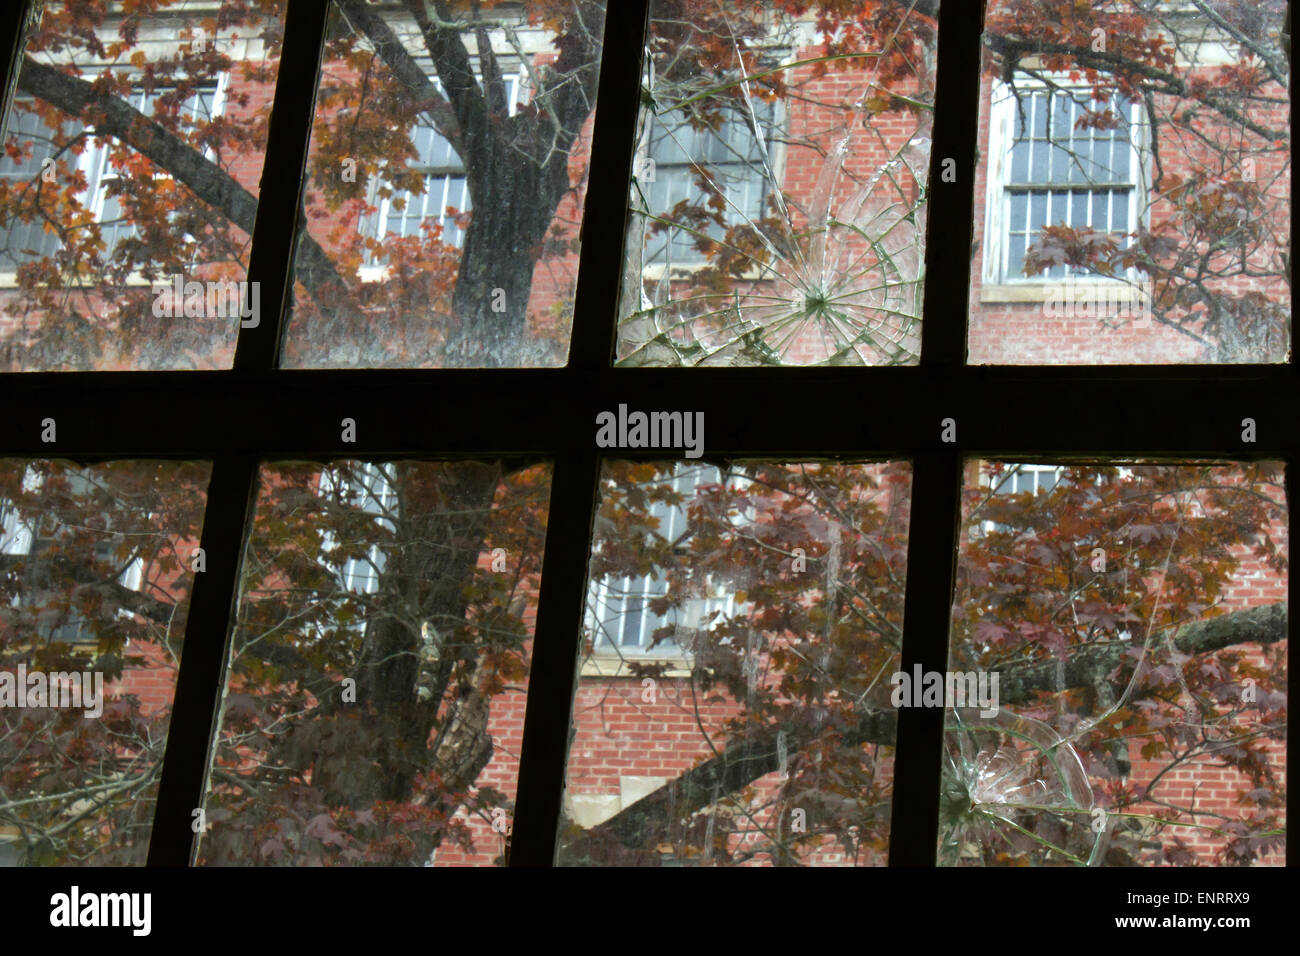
[(1025, 333)]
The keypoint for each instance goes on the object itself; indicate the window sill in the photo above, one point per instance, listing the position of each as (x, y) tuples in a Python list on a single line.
[(9, 280), (1047, 291), (612, 666)]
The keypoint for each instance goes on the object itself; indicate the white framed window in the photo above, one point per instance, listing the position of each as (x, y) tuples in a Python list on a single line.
[(619, 619), (1016, 479), (27, 242), (1049, 167), (202, 106), (736, 162), (446, 187), (1035, 479), (372, 489)]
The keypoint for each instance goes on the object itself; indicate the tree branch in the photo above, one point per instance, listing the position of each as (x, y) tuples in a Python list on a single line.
[(365, 21), (1011, 49), (745, 760), (451, 60), (83, 574), (204, 178)]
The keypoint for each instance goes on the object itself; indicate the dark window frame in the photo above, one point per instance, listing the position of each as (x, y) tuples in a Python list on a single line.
[(257, 412)]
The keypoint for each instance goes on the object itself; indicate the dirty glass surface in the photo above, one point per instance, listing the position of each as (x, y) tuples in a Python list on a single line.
[(446, 181), (125, 244), (373, 711), (1132, 192), (96, 569)]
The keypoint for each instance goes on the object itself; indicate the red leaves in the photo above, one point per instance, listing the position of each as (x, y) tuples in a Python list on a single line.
[(1066, 245)]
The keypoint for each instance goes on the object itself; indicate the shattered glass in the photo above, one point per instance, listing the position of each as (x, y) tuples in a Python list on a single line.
[(1012, 783), (789, 178), (1131, 622)]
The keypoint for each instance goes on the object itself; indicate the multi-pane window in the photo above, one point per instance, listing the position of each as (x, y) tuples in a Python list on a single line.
[(369, 487), (620, 618), (1018, 479), (202, 106), (37, 542), (348, 732), (1035, 479), (26, 241), (1066, 161)]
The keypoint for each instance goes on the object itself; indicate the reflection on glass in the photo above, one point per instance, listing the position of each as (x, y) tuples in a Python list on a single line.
[(1133, 621), (374, 705), (778, 208), (733, 706), (95, 576)]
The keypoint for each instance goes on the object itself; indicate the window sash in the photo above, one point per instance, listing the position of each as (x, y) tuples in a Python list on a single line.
[(1012, 218), (753, 412)]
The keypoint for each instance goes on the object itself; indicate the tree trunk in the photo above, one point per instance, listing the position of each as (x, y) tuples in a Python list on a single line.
[(375, 748), (514, 203)]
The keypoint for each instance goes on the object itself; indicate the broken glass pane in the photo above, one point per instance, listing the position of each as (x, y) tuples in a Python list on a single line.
[(778, 207), (1130, 623)]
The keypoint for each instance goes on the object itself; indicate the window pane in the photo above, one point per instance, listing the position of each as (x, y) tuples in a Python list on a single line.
[(122, 248), (486, 279), (94, 594), (767, 661), (1175, 117), (1131, 621), (777, 215), (378, 673)]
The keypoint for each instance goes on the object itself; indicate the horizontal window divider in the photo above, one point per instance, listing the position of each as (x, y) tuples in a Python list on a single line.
[(1173, 411)]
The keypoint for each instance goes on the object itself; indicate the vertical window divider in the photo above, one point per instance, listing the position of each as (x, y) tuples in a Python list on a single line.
[(227, 519), (561, 606), (13, 24), (936, 466)]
